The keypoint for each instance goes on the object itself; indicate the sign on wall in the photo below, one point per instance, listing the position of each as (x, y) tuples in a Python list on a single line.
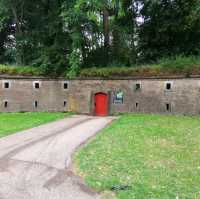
[(118, 97)]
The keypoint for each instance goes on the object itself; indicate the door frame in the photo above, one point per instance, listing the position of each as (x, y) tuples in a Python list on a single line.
[(92, 101)]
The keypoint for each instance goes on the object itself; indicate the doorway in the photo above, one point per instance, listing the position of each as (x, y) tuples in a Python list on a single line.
[(101, 104)]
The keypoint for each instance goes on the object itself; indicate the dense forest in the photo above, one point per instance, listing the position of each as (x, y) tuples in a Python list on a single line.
[(63, 36)]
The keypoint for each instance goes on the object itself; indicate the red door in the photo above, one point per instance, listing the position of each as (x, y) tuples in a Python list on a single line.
[(101, 104)]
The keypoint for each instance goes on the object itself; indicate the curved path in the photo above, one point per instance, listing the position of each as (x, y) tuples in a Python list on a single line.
[(35, 164)]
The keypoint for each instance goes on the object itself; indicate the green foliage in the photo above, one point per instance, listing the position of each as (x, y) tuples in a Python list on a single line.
[(65, 36), (180, 62), (37, 33), (74, 64), (154, 155), (170, 28)]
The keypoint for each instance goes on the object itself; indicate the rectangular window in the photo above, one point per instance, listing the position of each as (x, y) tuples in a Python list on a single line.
[(5, 104), (65, 85), (36, 104), (6, 85), (168, 107), (37, 85), (65, 103), (137, 87), (168, 86)]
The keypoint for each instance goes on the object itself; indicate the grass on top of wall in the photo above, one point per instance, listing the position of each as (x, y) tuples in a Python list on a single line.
[(14, 122), (19, 70), (141, 156), (180, 65)]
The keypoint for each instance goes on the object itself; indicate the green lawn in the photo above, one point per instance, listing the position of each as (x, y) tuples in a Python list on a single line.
[(158, 157), (13, 122)]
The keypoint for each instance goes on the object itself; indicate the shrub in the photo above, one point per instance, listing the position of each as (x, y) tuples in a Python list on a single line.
[(180, 62)]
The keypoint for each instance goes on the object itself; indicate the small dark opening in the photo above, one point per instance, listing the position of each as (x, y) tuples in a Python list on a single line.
[(6, 85), (65, 85), (36, 104), (168, 107), (136, 104), (5, 104), (37, 85), (168, 86), (65, 103), (138, 87)]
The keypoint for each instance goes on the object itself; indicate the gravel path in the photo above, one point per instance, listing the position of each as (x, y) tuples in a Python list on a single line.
[(35, 164)]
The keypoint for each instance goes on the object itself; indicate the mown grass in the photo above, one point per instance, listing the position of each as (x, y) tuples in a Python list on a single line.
[(179, 65), (157, 157), (14, 122)]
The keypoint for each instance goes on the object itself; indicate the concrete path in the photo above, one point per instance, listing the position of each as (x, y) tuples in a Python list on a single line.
[(35, 164)]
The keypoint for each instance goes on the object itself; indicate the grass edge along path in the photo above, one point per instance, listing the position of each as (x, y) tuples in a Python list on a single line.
[(144, 156), (11, 123)]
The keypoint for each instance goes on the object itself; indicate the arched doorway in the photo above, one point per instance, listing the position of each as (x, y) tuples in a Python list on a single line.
[(101, 104)]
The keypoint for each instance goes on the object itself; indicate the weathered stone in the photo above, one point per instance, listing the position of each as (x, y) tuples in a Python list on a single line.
[(153, 97)]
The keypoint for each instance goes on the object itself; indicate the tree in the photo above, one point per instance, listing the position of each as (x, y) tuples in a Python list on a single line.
[(65, 35), (170, 27)]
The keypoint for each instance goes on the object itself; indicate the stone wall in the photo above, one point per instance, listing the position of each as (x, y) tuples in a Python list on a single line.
[(169, 96)]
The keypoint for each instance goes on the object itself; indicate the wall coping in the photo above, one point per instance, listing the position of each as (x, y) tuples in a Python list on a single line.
[(98, 78)]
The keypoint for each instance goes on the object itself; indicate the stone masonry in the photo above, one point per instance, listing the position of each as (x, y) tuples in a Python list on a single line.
[(165, 96)]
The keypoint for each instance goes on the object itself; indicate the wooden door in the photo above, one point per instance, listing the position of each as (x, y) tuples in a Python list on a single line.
[(101, 104)]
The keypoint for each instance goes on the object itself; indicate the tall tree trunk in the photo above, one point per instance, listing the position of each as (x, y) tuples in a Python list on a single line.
[(116, 34), (106, 34), (18, 33), (18, 25)]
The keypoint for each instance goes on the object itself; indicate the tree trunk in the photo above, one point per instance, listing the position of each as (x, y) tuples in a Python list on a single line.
[(106, 34), (18, 33), (18, 25)]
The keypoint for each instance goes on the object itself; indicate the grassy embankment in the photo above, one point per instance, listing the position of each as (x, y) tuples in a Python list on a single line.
[(179, 65), (185, 66)]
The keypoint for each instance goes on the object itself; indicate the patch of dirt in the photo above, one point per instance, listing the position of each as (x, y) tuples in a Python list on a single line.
[(108, 195)]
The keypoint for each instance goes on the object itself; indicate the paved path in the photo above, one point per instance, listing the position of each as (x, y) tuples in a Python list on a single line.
[(35, 164)]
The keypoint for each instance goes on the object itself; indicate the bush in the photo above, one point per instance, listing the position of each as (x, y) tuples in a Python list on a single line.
[(180, 62)]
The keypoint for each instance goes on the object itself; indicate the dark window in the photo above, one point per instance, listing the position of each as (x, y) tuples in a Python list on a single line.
[(5, 104), (168, 86), (137, 87), (37, 85), (6, 85), (65, 103), (65, 85), (136, 104), (36, 104), (168, 107)]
